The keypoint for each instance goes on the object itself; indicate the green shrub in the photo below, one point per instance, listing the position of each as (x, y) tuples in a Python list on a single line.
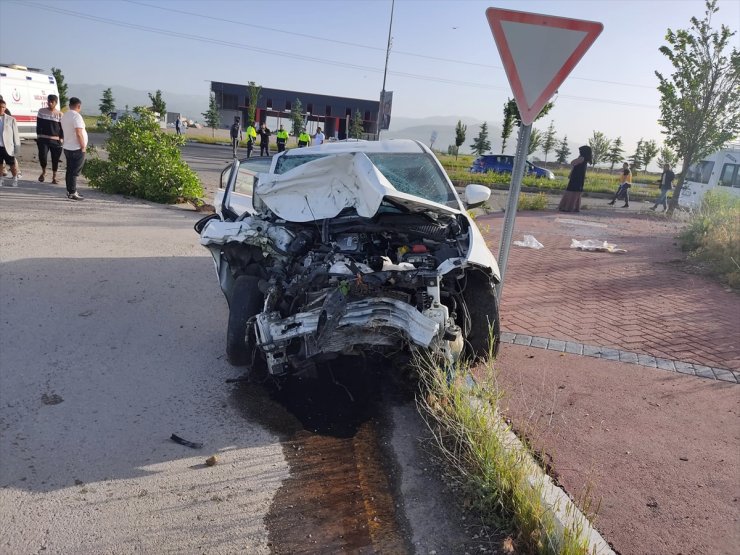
[(712, 235), (143, 162), (532, 202)]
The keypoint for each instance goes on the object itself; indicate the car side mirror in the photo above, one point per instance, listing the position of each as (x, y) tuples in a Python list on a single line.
[(475, 195)]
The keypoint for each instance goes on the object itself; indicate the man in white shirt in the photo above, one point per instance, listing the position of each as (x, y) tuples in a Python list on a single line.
[(10, 143), (75, 145), (319, 137)]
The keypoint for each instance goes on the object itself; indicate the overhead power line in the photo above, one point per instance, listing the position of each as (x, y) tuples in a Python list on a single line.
[(292, 55), (359, 45)]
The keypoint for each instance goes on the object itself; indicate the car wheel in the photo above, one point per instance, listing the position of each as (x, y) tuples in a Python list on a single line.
[(480, 297), (246, 301)]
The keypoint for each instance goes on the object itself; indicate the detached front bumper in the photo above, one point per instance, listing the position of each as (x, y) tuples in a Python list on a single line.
[(376, 321)]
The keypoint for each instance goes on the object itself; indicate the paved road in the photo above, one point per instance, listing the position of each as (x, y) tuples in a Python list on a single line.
[(111, 340)]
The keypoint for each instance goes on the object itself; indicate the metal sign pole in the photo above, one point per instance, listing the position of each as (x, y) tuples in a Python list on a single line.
[(517, 173)]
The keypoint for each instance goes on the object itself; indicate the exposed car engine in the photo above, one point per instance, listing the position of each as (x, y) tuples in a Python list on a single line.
[(350, 284)]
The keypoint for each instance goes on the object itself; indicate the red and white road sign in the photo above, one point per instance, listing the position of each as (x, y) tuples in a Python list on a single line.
[(539, 52)]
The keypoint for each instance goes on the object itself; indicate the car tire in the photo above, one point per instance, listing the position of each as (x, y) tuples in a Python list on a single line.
[(480, 298), (246, 301)]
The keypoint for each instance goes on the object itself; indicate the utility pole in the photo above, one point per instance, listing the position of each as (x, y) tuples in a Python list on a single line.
[(385, 71)]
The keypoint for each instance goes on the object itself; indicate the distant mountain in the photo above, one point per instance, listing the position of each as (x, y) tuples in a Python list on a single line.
[(421, 129), (190, 105)]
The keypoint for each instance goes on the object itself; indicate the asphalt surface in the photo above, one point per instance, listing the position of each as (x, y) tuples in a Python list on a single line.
[(112, 338)]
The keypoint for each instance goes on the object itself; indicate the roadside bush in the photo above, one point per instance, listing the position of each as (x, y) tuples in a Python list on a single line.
[(712, 236), (143, 162), (532, 202)]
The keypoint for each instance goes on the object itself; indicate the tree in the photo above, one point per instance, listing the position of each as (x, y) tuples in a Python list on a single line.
[(144, 162), (699, 104), (356, 126), (158, 103), (563, 151), (107, 103), (549, 141), (481, 144), (518, 118), (508, 124), (667, 156), (296, 117), (535, 140), (615, 154), (460, 132), (61, 86), (254, 96), (512, 115), (649, 152), (212, 115), (452, 150), (636, 159), (599, 147)]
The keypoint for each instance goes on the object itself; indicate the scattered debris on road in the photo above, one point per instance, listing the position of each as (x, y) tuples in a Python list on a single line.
[(592, 245), (185, 442), (530, 242)]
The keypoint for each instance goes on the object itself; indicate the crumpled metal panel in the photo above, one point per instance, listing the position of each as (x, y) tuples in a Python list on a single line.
[(374, 315)]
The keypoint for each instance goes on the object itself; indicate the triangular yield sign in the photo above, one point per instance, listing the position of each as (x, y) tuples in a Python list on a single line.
[(539, 52)]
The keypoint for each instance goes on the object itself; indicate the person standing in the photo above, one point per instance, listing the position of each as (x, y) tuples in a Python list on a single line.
[(571, 201), (282, 138), (49, 137), (319, 137), (10, 143), (666, 184), (178, 126), (251, 133), (264, 134), (303, 139), (75, 145), (235, 132), (623, 191)]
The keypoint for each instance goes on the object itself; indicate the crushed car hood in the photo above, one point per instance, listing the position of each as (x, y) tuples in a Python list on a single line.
[(322, 188)]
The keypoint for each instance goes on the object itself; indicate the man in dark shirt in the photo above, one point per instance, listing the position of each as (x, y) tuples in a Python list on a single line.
[(264, 134), (49, 136), (666, 184), (236, 135)]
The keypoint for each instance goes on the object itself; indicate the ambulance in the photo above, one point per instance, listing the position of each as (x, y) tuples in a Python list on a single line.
[(719, 170), (24, 91)]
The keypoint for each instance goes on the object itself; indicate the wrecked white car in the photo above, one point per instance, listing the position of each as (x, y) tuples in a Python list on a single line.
[(347, 249)]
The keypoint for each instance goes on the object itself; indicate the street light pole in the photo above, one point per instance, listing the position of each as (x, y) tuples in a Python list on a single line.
[(381, 115)]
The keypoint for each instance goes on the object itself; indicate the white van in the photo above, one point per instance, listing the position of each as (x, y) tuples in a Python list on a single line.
[(24, 91), (721, 169)]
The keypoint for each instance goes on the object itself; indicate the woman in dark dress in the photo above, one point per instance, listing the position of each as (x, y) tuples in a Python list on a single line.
[(571, 201)]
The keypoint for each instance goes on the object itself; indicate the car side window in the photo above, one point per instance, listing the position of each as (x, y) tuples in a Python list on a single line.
[(730, 176), (244, 182)]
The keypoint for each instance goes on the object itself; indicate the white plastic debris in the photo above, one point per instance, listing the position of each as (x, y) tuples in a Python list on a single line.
[(594, 245), (530, 242)]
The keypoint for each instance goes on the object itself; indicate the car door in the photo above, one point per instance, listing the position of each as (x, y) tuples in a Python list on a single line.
[(238, 180)]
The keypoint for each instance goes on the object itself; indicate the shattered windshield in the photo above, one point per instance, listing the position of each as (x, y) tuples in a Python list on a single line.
[(411, 173)]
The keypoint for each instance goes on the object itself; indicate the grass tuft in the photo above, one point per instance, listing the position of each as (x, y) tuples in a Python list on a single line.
[(532, 202), (711, 237), (493, 469)]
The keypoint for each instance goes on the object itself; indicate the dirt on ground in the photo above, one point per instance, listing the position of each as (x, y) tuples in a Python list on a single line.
[(655, 452)]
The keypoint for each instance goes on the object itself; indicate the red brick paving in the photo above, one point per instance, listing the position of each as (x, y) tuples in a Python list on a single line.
[(641, 301)]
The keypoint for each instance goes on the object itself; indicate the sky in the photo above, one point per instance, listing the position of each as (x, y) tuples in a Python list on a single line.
[(443, 59)]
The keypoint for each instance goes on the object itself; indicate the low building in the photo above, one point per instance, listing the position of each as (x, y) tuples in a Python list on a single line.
[(332, 113)]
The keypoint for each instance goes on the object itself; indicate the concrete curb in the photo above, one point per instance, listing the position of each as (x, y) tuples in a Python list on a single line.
[(609, 353), (564, 512)]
